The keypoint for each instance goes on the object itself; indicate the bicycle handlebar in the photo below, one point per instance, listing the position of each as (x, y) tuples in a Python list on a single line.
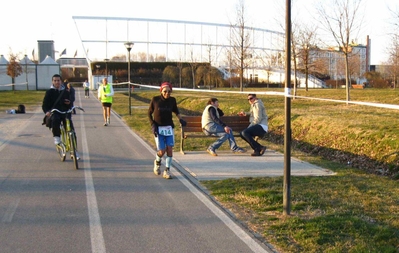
[(69, 111)]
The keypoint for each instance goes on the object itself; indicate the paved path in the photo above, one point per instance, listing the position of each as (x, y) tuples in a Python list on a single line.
[(203, 166), (115, 203)]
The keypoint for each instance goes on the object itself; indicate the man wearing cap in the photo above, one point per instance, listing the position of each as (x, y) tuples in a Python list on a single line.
[(162, 126)]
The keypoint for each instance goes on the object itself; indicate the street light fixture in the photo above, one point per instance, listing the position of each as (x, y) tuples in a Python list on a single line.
[(129, 46)]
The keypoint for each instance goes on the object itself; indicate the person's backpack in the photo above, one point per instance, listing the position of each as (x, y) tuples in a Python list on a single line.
[(21, 109)]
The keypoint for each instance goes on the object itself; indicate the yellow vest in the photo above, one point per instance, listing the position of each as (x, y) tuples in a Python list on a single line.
[(105, 90)]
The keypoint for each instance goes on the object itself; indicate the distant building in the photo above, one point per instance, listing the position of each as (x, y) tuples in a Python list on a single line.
[(74, 69), (46, 48), (331, 61)]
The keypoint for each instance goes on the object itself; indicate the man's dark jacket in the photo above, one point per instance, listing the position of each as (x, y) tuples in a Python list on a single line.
[(50, 98)]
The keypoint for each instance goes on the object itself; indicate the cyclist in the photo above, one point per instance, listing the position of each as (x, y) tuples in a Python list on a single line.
[(57, 97)]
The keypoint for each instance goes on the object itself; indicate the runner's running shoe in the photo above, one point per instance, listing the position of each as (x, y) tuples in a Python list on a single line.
[(166, 174), (157, 166)]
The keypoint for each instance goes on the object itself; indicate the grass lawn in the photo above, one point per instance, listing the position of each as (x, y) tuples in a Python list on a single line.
[(354, 211), (10, 100)]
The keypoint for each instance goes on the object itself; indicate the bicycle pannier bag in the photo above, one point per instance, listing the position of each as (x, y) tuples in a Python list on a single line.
[(47, 121)]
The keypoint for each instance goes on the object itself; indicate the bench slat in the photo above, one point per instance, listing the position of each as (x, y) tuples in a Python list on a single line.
[(237, 123)]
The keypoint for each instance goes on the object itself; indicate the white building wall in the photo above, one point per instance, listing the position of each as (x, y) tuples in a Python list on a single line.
[(278, 76), (20, 81), (5, 80), (44, 75), (45, 71)]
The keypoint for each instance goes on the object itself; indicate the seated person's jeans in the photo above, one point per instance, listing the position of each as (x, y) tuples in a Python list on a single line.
[(249, 134), (57, 121), (213, 129)]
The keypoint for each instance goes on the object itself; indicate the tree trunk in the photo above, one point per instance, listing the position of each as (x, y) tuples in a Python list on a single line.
[(348, 80)]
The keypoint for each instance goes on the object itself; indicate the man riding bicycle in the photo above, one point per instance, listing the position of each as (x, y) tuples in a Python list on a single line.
[(57, 97)]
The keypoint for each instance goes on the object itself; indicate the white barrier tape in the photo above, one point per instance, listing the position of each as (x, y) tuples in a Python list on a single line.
[(216, 91), (388, 106), (5, 85), (113, 84), (287, 93)]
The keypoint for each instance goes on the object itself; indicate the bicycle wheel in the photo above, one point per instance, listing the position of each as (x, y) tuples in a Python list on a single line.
[(61, 151), (72, 139)]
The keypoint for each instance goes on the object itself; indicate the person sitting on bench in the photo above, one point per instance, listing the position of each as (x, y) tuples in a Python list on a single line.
[(258, 125), (212, 125)]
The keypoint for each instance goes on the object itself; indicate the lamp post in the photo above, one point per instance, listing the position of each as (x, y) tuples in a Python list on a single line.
[(129, 46), (26, 72), (95, 82), (106, 67)]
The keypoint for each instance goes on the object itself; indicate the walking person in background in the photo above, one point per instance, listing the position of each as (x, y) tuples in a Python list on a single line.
[(162, 126), (86, 87), (57, 97), (212, 125), (258, 125), (105, 95), (71, 92)]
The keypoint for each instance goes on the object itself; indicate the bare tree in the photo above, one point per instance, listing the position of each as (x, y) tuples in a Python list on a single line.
[(187, 76), (393, 49), (294, 56), (393, 60), (171, 74), (342, 19), (354, 66), (321, 66), (160, 58), (306, 43), (230, 63), (241, 40), (14, 69), (180, 67), (209, 67), (201, 75), (142, 56), (119, 58), (193, 65)]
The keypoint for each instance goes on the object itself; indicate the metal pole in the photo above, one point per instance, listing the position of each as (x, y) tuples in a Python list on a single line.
[(130, 90), (26, 72), (287, 132), (129, 46), (106, 67)]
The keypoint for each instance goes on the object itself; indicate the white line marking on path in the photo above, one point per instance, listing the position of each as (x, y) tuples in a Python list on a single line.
[(250, 242), (7, 217), (96, 232)]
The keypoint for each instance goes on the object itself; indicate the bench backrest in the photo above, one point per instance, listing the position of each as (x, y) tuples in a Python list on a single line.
[(237, 123)]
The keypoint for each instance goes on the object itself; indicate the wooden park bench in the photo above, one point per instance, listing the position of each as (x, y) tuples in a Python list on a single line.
[(193, 128), (357, 86)]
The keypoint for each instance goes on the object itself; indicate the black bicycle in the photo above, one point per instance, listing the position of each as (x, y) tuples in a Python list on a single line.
[(68, 138)]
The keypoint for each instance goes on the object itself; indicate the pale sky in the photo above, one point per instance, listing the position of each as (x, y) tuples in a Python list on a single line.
[(25, 22)]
